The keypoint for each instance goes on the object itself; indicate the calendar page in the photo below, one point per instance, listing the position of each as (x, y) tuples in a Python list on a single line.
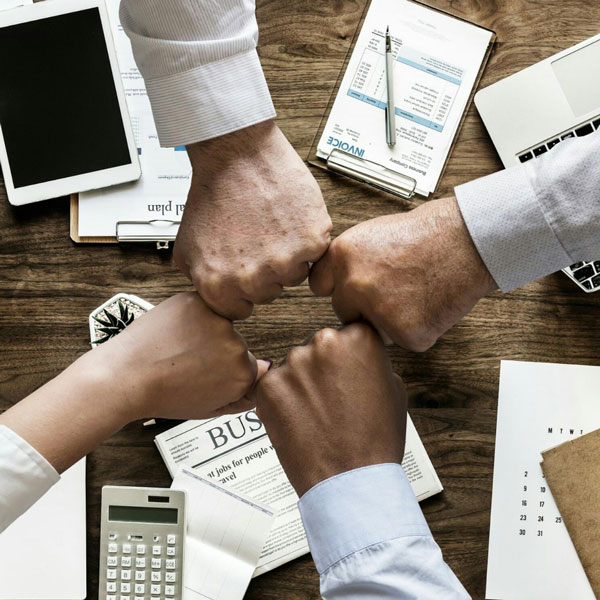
[(540, 405)]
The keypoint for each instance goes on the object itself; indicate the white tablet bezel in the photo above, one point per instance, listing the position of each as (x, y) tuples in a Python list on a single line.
[(86, 181)]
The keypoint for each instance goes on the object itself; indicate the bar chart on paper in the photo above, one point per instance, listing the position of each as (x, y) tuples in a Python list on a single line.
[(424, 86)]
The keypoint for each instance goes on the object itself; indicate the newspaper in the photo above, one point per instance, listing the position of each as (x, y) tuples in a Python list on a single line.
[(235, 451)]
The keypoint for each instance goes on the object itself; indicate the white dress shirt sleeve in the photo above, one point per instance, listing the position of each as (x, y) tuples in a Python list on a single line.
[(25, 476), (199, 61), (369, 539), (538, 217)]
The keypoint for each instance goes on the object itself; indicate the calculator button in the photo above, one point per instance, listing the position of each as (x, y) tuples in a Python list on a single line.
[(125, 561), (568, 135), (140, 563), (170, 563), (154, 598), (125, 588), (156, 550), (140, 575), (169, 590), (140, 588), (584, 130), (111, 573), (156, 576), (111, 561), (170, 550), (111, 586), (552, 143), (139, 598), (112, 536), (156, 563), (156, 538), (125, 597), (111, 597), (171, 539), (141, 549), (126, 575), (540, 150), (155, 589), (170, 577), (112, 548), (126, 548)]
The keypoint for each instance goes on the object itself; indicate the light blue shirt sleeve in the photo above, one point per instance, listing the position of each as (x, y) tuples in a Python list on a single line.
[(536, 218), (369, 539)]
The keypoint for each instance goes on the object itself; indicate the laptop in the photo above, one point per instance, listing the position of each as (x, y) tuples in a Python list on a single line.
[(532, 111)]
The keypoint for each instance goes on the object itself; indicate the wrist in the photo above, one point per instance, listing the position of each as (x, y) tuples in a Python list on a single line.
[(216, 156), (452, 225), (116, 389)]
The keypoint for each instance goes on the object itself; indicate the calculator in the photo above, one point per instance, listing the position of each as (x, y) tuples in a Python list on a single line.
[(142, 536)]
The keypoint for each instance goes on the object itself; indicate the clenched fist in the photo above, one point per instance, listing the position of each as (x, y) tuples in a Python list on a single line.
[(333, 406), (254, 220), (411, 275)]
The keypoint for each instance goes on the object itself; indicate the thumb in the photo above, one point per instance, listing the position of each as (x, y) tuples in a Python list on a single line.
[(321, 278)]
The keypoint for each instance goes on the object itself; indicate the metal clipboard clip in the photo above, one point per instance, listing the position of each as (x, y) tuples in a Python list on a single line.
[(161, 231), (371, 172)]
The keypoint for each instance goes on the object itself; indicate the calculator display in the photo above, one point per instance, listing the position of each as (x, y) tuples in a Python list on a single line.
[(142, 514)]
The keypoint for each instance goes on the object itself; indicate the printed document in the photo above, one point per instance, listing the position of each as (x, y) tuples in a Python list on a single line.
[(235, 451), (540, 405), (161, 192), (225, 534), (437, 60)]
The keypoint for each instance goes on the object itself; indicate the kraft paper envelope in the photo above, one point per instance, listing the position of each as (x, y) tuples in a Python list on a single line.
[(573, 474)]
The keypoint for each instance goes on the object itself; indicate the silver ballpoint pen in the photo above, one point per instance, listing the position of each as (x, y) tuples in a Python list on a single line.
[(390, 111)]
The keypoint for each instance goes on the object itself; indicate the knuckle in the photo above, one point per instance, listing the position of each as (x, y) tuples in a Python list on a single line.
[(326, 338), (295, 355)]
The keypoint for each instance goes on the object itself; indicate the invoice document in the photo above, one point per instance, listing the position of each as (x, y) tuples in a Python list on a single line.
[(540, 405), (224, 537), (437, 60), (161, 191)]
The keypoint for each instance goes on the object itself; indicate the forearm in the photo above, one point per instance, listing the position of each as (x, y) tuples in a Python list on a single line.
[(370, 540), (200, 65), (70, 415), (539, 217)]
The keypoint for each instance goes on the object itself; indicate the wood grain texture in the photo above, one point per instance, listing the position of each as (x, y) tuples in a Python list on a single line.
[(48, 286)]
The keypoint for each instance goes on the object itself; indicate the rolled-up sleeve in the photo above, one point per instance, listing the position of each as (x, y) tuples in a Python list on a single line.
[(534, 219), (200, 65), (25, 476)]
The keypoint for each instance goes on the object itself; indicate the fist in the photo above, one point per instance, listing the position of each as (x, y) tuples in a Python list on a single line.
[(254, 220), (412, 275), (334, 405), (181, 361)]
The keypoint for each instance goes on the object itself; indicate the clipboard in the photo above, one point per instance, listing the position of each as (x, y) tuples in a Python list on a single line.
[(159, 231), (365, 171)]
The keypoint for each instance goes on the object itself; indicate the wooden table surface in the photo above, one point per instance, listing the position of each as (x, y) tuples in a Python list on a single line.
[(48, 286)]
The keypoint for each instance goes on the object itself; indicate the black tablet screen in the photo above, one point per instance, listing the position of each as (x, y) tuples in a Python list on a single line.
[(59, 110)]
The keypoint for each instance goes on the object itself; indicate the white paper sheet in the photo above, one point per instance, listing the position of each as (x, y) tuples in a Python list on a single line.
[(540, 405), (8, 4), (225, 535), (43, 553), (437, 61), (162, 190)]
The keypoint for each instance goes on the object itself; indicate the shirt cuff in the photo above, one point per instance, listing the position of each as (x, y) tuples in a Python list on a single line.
[(26, 476), (509, 229), (352, 511), (210, 100)]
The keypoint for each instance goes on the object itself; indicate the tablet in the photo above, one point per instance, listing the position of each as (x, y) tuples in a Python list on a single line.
[(64, 125)]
